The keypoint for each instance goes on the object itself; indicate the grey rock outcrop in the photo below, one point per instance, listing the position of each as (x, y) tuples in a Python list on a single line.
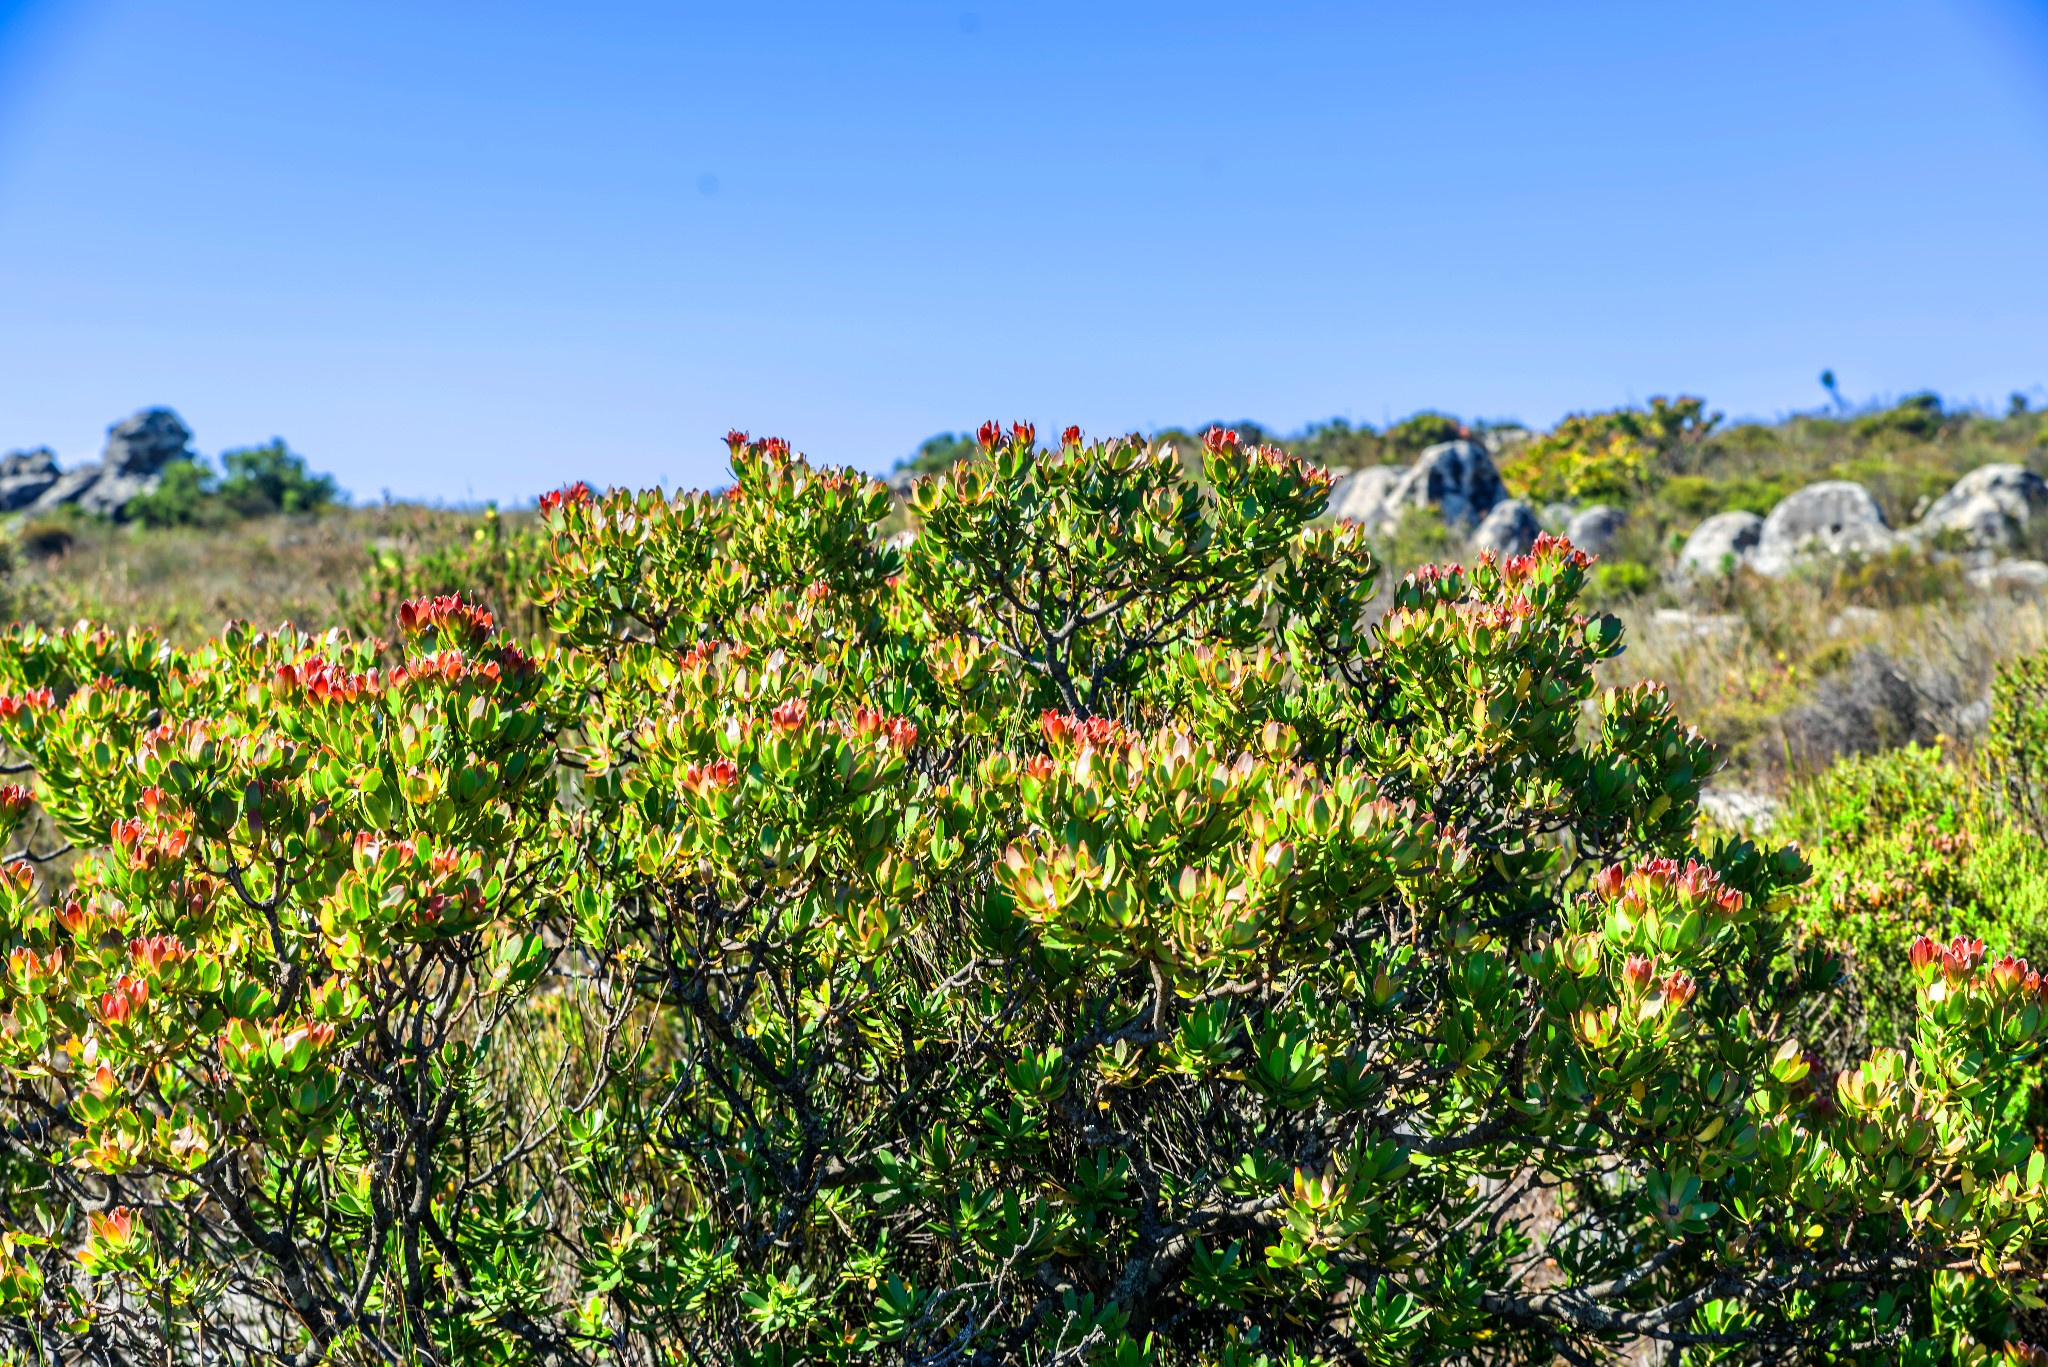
[(1594, 529), (1509, 528), (1988, 508), (1721, 543), (146, 443), (1361, 496), (137, 449), (1833, 517), (2020, 578), (1457, 478), (24, 475)]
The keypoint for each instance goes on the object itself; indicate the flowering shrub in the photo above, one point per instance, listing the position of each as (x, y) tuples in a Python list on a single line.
[(1607, 455), (1083, 936)]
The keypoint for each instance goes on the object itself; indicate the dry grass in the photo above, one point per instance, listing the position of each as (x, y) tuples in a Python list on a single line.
[(187, 581), (1787, 675)]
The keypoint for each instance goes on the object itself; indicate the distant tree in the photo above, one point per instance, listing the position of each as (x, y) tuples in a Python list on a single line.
[(939, 453), (183, 496), (272, 478)]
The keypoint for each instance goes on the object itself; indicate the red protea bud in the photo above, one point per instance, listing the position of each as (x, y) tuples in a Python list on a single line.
[(902, 733), (1697, 884), (74, 918), (989, 435), (790, 715), (1039, 767), (35, 700), (867, 721), (1679, 989), (15, 801), (115, 1229), (1023, 433), (1730, 901), (1961, 958), (2008, 975), (775, 447), (1608, 883), (452, 622), (735, 440), (1659, 873), (1216, 439), (157, 950), (1924, 954), (1056, 725), (1071, 437), (817, 591), (321, 1033), (1636, 974), (569, 495)]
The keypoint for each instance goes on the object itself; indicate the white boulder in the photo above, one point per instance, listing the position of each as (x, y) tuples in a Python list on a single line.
[(1834, 517), (1509, 528), (1987, 508), (1721, 543)]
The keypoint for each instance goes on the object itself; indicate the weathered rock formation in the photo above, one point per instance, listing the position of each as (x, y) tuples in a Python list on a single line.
[(137, 450), (1987, 509), (1455, 478), (24, 475)]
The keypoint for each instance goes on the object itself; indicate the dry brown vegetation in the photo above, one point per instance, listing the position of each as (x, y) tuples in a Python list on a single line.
[(186, 581)]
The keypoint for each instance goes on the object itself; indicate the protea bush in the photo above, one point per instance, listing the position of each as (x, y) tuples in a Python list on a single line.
[(1096, 933)]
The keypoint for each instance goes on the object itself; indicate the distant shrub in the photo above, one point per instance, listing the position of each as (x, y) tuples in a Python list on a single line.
[(273, 479), (259, 481), (1916, 415), (939, 453), (1703, 495), (1900, 577), (183, 496), (1411, 436), (1622, 579), (46, 536), (1606, 455)]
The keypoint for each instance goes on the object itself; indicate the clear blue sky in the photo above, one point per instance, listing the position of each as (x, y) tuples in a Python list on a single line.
[(470, 250)]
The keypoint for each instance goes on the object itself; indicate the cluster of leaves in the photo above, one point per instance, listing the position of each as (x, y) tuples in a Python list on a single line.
[(1083, 936), (256, 481)]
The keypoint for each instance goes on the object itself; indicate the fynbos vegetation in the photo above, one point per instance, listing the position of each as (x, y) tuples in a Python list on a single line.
[(1091, 934)]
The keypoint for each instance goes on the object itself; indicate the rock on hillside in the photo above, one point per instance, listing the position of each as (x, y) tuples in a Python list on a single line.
[(1509, 528), (1833, 517), (24, 475), (1361, 496), (1987, 508), (137, 449), (1722, 542), (1457, 478), (1594, 529)]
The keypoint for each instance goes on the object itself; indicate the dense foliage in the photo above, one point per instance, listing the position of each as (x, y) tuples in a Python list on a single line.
[(1081, 936)]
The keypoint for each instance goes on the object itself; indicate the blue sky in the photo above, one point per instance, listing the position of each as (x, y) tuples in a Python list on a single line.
[(465, 250)]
